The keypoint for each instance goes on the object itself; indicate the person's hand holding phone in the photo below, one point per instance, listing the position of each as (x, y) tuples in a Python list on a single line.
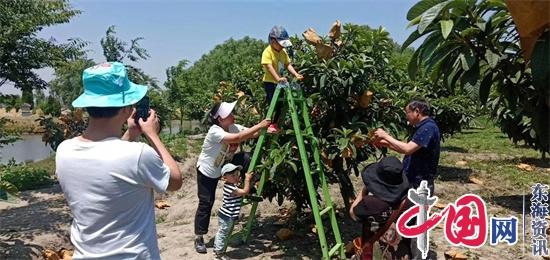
[(152, 125), (134, 131)]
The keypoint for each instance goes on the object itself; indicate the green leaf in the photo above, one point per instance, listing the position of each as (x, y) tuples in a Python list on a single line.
[(540, 63), (413, 37), (414, 22), (322, 81), (481, 26), (467, 60), (430, 15), (412, 68), (446, 27), (441, 53), (492, 58), (429, 46), (471, 76), (293, 166), (420, 8), (516, 77), (485, 88), (470, 32), (8, 187)]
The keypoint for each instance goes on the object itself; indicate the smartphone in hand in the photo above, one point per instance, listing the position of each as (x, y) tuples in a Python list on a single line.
[(142, 109)]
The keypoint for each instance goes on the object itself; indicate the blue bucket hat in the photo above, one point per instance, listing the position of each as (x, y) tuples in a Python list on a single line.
[(107, 85), (280, 34)]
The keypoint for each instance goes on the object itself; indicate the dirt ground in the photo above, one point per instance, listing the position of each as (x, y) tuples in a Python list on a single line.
[(41, 220)]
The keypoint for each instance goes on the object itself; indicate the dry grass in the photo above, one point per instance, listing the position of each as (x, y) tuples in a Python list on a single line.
[(22, 124)]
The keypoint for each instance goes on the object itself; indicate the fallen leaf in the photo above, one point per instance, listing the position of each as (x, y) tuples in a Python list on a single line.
[(284, 234), (66, 254), (526, 167), (162, 204), (453, 254), (440, 205), (460, 256), (461, 163), (50, 255), (546, 257), (475, 180)]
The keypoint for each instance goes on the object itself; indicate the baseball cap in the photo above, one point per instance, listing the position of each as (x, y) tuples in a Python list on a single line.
[(225, 109), (230, 168), (280, 34), (107, 85)]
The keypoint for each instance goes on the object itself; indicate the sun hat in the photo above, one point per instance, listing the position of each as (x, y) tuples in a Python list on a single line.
[(228, 168), (225, 109), (385, 179), (280, 34), (107, 85)]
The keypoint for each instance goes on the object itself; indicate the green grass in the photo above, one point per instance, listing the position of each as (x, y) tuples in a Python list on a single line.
[(48, 164), (176, 145), (492, 157)]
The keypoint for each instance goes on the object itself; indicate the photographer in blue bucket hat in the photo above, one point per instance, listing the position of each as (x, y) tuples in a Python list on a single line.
[(107, 178)]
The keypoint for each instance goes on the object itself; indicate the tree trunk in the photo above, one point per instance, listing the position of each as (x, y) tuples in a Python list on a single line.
[(181, 119), (346, 186)]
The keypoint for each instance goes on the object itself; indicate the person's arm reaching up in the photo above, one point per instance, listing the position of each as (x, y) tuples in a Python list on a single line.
[(246, 189), (248, 133)]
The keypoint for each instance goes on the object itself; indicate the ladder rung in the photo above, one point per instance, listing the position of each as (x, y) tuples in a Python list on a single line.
[(325, 210), (334, 249)]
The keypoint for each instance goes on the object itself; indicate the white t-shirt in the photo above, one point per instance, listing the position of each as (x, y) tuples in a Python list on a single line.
[(109, 187), (214, 153)]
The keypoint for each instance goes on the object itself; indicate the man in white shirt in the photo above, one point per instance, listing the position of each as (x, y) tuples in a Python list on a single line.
[(108, 180)]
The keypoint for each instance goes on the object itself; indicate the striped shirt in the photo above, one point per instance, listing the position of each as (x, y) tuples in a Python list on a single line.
[(231, 205)]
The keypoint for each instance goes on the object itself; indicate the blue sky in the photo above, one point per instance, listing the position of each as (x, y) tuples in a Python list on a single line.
[(177, 29)]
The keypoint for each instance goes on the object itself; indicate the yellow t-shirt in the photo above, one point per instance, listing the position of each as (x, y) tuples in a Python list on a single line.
[(271, 56)]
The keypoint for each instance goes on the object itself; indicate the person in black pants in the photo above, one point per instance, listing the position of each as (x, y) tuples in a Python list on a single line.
[(219, 147)]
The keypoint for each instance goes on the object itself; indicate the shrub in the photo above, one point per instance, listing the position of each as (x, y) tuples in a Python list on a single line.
[(24, 177)]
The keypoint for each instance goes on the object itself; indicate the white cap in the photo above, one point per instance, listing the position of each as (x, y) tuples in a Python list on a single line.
[(229, 168), (285, 43), (225, 109)]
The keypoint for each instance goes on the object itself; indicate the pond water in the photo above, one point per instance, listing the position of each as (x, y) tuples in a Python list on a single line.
[(29, 148)]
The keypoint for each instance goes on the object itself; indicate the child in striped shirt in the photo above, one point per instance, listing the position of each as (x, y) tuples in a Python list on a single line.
[(231, 204)]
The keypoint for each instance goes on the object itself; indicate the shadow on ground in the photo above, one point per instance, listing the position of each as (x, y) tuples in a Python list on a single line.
[(449, 173), (455, 149), (538, 162), (303, 242), (513, 202), (42, 217)]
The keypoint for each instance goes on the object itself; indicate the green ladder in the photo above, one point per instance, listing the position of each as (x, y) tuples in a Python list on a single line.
[(294, 98)]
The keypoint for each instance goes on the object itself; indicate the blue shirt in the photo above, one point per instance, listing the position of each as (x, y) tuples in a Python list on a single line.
[(422, 164)]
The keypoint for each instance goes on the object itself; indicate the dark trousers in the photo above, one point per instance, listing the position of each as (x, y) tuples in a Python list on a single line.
[(269, 88), (242, 159), (207, 193)]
